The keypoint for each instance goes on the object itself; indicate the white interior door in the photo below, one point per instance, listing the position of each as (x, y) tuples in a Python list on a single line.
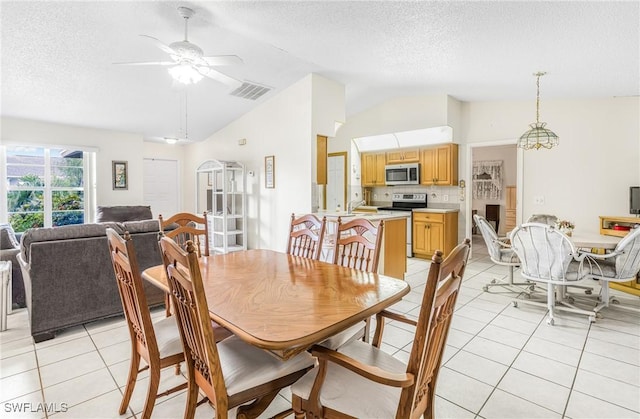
[(160, 186), (336, 186)]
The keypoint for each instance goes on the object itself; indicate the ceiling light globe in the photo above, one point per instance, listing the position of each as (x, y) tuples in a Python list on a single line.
[(185, 73)]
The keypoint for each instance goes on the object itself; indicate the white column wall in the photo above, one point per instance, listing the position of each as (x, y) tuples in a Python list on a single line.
[(283, 127)]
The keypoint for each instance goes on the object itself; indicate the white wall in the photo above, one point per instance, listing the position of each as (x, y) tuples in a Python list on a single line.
[(589, 173), (282, 127), (111, 145)]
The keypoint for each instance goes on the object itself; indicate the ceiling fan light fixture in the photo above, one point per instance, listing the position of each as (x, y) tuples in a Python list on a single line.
[(185, 73), (538, 136), (170, 140)]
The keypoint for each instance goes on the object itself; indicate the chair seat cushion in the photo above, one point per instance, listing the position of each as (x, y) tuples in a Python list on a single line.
[(167, 336), (342, 387), (603, 269), (352, 333), (245, 366), (508, 256)]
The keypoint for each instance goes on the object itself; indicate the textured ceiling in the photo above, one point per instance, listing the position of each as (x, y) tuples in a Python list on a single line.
[(57, 57)]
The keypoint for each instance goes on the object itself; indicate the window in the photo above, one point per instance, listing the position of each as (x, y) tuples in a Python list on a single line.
[(45, 186)]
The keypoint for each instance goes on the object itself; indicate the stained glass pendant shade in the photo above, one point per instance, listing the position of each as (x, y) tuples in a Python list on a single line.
[(538, 136)]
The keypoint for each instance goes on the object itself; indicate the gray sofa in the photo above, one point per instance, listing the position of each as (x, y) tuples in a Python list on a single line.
[(69, 278)]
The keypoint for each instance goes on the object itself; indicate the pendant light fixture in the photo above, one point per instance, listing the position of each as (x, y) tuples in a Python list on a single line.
[(538, 136)]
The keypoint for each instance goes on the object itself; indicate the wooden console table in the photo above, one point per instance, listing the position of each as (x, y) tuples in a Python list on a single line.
[(616, 226)]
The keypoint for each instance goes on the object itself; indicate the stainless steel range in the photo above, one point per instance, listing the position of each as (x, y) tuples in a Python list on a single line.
[(406, 202)]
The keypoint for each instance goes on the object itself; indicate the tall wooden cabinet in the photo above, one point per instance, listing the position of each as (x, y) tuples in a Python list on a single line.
[(372, 169), (221, 187), (439, 165)]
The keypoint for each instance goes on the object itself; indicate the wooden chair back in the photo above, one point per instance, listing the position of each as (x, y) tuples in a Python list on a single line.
[(192, 313), (438, 303), (188, 227), (144, 343), (306, 234), (357, 244), (131, 289)]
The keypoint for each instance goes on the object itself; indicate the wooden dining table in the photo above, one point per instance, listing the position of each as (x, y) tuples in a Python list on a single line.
[(285, 304)]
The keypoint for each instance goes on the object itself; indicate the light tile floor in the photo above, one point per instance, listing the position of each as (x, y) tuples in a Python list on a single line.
[(500, 361)]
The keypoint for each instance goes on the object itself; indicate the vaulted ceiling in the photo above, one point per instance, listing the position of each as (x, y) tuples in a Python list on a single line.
[(57, 57)]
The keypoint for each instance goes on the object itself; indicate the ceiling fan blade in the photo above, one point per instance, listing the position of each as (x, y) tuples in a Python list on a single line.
[(148, 63), (166, 48), (218, 76), (223, 60)]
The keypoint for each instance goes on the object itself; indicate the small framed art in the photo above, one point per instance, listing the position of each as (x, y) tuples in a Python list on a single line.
[(120, 175), (270, 172)]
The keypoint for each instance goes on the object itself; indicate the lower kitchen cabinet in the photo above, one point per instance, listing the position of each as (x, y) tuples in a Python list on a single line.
[(434, 231)]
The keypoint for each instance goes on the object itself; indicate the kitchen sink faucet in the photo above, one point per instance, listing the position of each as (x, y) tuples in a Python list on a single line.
[(351, 206)]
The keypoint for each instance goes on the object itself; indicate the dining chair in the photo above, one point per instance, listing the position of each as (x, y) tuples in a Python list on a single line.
[(306, 234), (620, 265), (157, 343), (230, 373), (548, 256), (501, 253), (364, 381), (357, 245), (182, 227), (185, 226)]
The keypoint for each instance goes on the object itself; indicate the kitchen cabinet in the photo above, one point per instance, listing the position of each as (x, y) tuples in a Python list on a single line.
[(439, 165), (403, 156), (434, 231), (372, 169)]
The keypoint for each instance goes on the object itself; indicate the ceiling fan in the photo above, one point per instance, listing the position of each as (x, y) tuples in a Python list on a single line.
[(189, 63)]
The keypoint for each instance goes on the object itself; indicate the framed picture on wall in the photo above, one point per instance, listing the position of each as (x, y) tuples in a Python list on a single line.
[(270, 172), (120, 175)]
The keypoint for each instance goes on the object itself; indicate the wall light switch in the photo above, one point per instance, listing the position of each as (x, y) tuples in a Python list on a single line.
[(538, 200), (445, 198)]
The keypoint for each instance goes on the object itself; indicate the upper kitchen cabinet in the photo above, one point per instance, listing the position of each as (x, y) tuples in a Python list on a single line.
[(439, 165), (372, 169), (411, 155)]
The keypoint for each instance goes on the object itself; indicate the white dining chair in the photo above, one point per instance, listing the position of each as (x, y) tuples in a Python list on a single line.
[(548, 256), (501, 253), (621, 265)]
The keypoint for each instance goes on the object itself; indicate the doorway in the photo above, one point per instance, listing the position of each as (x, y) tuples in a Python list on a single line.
[(481, 193), (336, 181), (160, 186)]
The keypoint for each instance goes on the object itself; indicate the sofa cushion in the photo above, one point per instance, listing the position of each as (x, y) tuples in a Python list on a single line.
[(123, 213), (143, 226), (67, 232), (8, 237)]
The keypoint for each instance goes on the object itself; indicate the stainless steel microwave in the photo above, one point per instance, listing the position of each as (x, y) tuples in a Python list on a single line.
[(402, 174)]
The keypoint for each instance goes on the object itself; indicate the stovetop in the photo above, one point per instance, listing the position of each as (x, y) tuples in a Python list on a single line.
[(406, 202)]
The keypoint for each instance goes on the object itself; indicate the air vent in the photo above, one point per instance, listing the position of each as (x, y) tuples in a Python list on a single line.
[(250, 91)]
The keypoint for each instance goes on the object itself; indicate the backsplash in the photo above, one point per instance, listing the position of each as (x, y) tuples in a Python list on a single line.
[(437, 196)]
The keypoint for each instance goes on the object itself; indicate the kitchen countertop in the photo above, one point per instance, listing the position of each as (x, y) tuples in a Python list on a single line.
[(371, 216), (436, 210)]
